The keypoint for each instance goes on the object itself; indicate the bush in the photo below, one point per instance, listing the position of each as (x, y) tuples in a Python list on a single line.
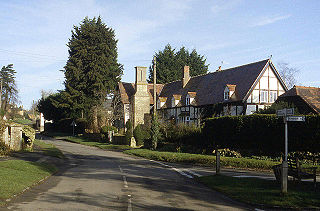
[(141, 133), (228, 153), (4, 149), (262, 134), (28, 135), (187, 138), (105, 129)]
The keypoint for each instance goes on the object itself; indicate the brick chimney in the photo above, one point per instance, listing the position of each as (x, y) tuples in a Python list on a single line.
[(186, 76), (219, 69)]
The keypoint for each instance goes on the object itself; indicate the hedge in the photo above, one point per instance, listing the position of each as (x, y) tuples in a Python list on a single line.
[(262, 134)]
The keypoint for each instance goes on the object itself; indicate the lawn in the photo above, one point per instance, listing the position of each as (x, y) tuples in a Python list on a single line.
[(84, 141), (16, 175), (23, 121), (206, 160), (48, 149), (259, 191)]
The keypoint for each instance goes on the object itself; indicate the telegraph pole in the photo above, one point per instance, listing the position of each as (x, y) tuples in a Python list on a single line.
[(154, 86), (1, 94)]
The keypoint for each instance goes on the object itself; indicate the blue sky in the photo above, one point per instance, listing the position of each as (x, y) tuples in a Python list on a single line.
[(34, 35)]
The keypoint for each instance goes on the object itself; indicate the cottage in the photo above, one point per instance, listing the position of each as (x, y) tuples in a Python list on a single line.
[(240, 90), (306, 99)]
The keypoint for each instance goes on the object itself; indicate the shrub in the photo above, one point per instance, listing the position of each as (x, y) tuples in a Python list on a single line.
[(105, 129), (140, 133), (4, 149), (28, 135), (187, 138), (262, 134), (228, 153)]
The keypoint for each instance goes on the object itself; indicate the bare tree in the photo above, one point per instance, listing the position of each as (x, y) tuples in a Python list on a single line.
[(288, 74)]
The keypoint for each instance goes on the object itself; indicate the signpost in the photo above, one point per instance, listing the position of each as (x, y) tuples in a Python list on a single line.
[(287, 114), (73, 124)]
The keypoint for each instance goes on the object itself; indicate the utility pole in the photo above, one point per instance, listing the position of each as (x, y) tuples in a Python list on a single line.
[(1, 94), (154, 86)]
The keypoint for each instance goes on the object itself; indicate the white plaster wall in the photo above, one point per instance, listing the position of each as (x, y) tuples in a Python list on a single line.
[(273, 82), (264, 83), (255, 96)]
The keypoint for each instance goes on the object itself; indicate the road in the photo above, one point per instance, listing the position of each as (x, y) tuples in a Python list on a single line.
[(95, 179)]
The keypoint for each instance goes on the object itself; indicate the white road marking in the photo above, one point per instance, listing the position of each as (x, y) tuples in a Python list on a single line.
[(182, 173), (175, 169), (129, 204), (192, 172), (120, 169), (125, 181)]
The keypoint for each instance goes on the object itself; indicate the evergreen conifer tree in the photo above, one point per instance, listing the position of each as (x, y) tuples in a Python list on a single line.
[(170, 64), (92, 69)]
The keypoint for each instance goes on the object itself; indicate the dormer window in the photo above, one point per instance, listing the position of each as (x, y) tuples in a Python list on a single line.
[(173, 103), (229, 91), (187, 100), (226, 95)]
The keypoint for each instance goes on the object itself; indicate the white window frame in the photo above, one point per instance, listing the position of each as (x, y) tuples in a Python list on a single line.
[(187, 100), (173, 102), (226, 95), (263, 96), (273, 96)]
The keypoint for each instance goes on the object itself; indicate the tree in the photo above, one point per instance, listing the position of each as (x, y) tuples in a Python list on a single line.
[(9, 91), (92, 70), (55, 106), (155, 132), (288, 74), (171, 63)]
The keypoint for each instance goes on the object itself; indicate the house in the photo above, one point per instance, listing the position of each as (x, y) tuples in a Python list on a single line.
[(306, 99), (240, 90)]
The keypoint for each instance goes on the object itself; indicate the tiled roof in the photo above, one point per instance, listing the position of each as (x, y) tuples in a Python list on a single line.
[(127, 91), (311, 95), (210, 87)]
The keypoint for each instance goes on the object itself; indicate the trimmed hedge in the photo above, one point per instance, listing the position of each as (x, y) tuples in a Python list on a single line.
[(262, 134)]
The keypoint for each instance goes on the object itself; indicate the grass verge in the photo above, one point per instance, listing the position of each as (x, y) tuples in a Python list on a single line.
[(100, 145), (266, 192), (16, 175), (48, 149), (206, 160)]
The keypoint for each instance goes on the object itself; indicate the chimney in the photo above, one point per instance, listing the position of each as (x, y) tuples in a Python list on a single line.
[(141, 73), (186, 76), (219, 69)]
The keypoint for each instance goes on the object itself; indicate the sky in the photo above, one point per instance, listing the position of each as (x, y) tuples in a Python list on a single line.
[(34, 35)]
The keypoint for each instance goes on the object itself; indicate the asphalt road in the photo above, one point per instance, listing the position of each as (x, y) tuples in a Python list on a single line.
[(94, 179)]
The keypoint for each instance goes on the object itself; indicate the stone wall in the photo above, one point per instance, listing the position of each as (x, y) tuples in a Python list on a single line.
[(12, 137)]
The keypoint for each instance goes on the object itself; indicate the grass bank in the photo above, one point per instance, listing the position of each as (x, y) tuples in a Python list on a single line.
[(87, 142), (48, 149), (259, 191), (16, 175), (206, 160)]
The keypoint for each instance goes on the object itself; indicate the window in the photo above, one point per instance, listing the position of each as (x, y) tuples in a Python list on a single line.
[(187, 118), (273, 96), (263, 96), (226, 95), (188, 100), (173, 103)]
